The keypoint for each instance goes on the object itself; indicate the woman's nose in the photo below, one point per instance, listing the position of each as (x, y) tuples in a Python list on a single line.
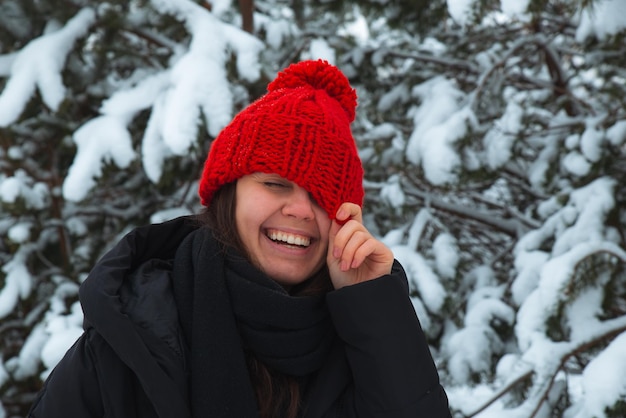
[(299, 204)]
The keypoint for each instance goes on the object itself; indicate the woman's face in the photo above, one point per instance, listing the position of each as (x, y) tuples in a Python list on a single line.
[(281, 227)]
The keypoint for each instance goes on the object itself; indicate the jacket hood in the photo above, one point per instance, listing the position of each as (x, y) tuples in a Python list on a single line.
[(104, 310)]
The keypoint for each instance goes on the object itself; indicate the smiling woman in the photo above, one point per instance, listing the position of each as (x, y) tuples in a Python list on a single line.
[(275, 301)]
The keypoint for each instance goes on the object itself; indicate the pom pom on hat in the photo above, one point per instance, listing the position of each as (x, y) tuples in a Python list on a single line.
[(299, 130), (318, 75)]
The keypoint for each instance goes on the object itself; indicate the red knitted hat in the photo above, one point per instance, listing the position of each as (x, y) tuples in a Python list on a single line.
[(299, 130)]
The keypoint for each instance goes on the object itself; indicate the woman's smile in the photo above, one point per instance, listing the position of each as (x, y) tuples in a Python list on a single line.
[(289, 239)]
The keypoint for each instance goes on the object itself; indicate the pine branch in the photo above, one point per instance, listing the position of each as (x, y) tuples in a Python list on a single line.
[(514, 227), (578, 348), (612, 328), (502, 391), (446, 62)]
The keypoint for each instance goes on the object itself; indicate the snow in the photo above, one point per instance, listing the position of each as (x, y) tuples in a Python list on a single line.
[(168, 214), (358, 28), (580, 220), (482, 277), (10, 190), (576, 163), (528, 265), (195, 86), (27, 362), (39, 65), (193, 91), (319, 49), (538, 169), (422, 313), (63, 331), (603, 380), (514, 8), (21, 186), (6, 62), (421, 278), (76, 226), (417, 227), (397, 94), (440, 121), (198, 79), (140, 96), (579, 233), (20, 232), (154, 150), (392, 192), (499, 140), (468, 398), (50, 340), (470, 350), (616, 134), (219, 6), (17, 282), (591, 141), (606, 18), (101, 140), (446, 255), (582, 313), (592, 204), (434, 46), (484, 306), (276, 32), (460, 10), (555, 285)]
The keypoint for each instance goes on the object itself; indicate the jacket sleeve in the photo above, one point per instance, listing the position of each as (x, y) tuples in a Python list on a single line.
[(394, 373), (72, 389), (91, 381)]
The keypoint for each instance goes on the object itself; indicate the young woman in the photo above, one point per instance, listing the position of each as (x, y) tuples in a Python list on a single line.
[(274, 302)]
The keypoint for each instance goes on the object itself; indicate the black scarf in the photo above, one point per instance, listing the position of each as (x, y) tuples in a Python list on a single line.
[(226, 305)]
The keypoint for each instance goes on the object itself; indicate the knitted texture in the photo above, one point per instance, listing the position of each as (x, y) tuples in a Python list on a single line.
[(300, 130)]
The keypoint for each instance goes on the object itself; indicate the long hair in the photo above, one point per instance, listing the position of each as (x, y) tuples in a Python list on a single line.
[(277, 394)]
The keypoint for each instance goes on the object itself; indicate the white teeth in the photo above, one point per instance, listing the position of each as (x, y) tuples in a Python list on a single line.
[(289, 238)]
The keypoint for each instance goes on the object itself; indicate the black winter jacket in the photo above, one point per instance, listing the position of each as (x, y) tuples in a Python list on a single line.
[(131, 359)]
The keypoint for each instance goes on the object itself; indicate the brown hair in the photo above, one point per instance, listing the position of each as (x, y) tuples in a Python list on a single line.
[(277, 394)]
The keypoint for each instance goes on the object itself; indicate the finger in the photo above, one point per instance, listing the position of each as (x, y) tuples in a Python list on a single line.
[(333, 252), (363, 252), (348, 211), (347, 243), (353, 258), (343, 235)]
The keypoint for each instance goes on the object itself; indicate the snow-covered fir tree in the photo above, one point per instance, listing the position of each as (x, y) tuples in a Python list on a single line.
[(493, 135)]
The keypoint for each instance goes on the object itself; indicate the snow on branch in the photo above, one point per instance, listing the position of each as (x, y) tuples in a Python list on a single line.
[(457, 64), (606, 18), (102, 139), (510, 226), (554, 289), (199, 80), (17, 282), (601, 381), (441, 121), (39, 65), (196, 85)]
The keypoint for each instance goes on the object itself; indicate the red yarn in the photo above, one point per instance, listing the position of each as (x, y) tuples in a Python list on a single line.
[(318, 75), (299, 130)]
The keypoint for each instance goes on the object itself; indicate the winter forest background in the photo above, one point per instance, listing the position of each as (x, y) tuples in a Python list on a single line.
[(493, 135)]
